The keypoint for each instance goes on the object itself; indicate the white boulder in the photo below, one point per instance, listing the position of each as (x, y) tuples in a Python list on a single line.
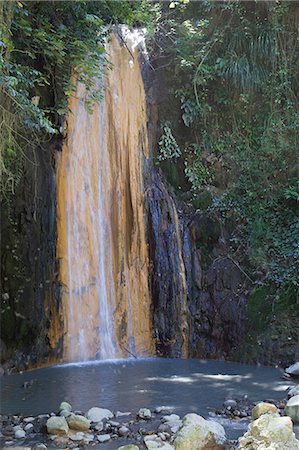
[(98, 414)]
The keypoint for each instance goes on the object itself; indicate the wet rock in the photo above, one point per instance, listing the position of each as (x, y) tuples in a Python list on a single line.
[(144, 413), (28, 419), (65, 413), (154, 442), (123, 431), (104, 438), (122, 414), (164, 409), (128, 447), (29, 427), (57, 425), (39, 447), (99, 426), (196, 433), (114, 424), (77, 422), (293, 391), (77, 436), (164, 428), (98, 414), (173, 421), (65, 406), (263, 408), (269, 431), (19, 434), (230, 403), (293, 370), (170, 418), (292, 408)]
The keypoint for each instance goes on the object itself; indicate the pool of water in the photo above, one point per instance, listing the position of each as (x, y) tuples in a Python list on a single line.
[(127, 385)]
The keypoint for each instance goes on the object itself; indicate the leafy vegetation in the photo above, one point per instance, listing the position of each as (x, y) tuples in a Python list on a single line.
[(234, 76), (44, 48)]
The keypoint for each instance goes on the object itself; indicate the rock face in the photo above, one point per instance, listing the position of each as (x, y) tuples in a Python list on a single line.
[(98, 414), (263, 408), (167, 276), (30, 300), (269, 431), (196, 433), (77, 422), (292, 408), (57, 425)]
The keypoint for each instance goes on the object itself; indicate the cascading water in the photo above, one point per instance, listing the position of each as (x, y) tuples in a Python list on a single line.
[(101, 243)]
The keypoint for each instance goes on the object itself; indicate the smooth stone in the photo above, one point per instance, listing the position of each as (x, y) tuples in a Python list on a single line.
[(89, 437), (99, 426), (29, 427), (160, 409), (293, 391), (40, 447), (292, 408), (17, 427), (98, 414), (293, 370), (144, 413), (65, 406), (128, 447), (104, 438), (263, 408), (170, 418), (123, 431), (29, 419), (231, 403), (196, 433), (114, 424), (122, 414), (77, 436), (77, 422), (269, 431), (19, 434), (43, 416), (57, 425), (65, 413)]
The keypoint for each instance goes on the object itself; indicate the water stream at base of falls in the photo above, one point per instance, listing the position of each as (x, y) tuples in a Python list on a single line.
[(101, 237), (127, 385)]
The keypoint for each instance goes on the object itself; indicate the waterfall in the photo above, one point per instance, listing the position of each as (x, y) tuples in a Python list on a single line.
[(101, 238)]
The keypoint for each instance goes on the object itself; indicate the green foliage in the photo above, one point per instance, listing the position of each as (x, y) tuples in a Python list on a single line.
[(236, 78), (45, 48), (169, 148)]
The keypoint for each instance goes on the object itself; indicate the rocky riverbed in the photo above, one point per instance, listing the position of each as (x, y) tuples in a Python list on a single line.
[(99, 428)]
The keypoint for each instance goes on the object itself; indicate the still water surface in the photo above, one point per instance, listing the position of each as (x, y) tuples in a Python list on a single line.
[(127, 385)]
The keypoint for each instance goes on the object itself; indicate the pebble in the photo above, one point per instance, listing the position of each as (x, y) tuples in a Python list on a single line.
[(144, 413), (40, 447), (29, 427), (114, 424), (103, 438), (65, 406), (29, 419), (123, 431), (19, 434), (170, 418), (99, 426), (77, 436), (121, 414), (231, 403)]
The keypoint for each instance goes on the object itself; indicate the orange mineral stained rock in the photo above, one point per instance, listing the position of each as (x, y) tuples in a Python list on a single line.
[(101, 238)]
